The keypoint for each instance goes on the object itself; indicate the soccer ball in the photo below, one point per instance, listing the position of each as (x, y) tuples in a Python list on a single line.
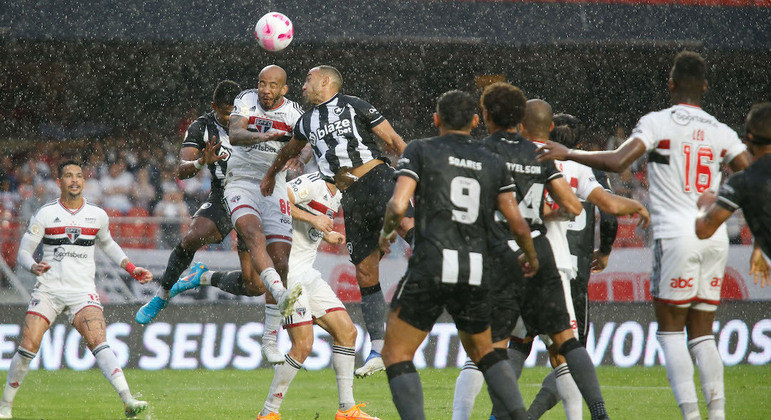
[(274, 31)]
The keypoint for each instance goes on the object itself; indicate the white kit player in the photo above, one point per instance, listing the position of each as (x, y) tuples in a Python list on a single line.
[(314, 204), (260, 124), (686, 147), (69, 228)]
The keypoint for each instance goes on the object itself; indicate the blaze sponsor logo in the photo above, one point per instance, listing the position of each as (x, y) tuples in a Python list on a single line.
[(73, 233), (337, 128)]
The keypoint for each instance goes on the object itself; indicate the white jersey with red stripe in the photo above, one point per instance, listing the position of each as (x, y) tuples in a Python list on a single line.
[(311, 194), (686, 146), (68, 238), (252, 162), (583, 182)]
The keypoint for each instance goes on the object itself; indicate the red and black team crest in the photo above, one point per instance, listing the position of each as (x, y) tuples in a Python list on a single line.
[(73, 233)]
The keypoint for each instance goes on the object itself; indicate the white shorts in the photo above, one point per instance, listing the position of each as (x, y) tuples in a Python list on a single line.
[(50, 304), (317, 299), (688, 272), (244, 197), (567, 291)]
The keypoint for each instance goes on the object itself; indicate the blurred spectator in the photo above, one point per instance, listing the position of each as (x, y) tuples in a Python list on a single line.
[(33, 199), (9, 197), (92, 191), (143, 192), (116, 186), (196, 189), (173, 208), (169, 181), (7, 172)]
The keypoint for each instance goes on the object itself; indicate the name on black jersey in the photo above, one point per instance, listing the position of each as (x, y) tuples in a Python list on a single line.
[(465, 163), (523, 169), (338, 127)]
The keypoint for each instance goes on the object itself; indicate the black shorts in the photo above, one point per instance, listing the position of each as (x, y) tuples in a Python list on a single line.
[(580, 293), (506, 281), (364, 206), (215, 210), (542, 299), (421, 301)]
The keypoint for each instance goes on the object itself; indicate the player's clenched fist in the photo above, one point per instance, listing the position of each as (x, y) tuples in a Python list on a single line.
[(142, 274), (40, 268)]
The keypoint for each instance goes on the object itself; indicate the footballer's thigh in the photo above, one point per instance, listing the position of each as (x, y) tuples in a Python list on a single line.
[(42, 310), (401, 339), (89, 322), (33, 329), (205, 229), (340, 326)]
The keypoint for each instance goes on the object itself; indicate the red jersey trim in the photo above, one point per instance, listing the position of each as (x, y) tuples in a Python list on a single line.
[(315, 205), (59, 230), (663, 144)]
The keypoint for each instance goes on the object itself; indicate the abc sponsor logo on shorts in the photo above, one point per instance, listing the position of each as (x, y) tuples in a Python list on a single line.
[(60, 253)]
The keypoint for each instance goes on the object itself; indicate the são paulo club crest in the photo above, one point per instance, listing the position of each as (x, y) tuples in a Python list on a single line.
[(73, 233)]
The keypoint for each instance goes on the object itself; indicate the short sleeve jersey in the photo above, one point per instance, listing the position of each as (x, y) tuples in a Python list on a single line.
[(68, 238), (311, 194), (750, 190), (582, 181), (340, 132), (207, 129), (530, 178), (458, 182), (252, 162), (686, 147)]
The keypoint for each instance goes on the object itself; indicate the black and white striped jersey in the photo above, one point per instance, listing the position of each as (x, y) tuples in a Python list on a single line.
[(206, 129), (340, 132)]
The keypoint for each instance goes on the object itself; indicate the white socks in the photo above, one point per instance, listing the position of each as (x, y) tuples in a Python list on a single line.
[(467, 387), (377, 345), (343, 359), (680, 371), (16, 373), (704, 351), (272, 281), (111, 370), (272, 324), (282, 377), (572, 401), (206, 278)]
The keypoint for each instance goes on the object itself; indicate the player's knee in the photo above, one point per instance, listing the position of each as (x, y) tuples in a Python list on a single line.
[(347, 335), (301, 349), (253, 287), (29, 345), (366, 274)]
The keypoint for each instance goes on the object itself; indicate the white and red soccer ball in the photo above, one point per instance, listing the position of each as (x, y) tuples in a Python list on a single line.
[(274, 31)]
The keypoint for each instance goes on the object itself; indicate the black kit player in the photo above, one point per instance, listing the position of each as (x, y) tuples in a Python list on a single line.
[(458, 184), (206, 144), (341, 130), (749, 191), (542, 305)]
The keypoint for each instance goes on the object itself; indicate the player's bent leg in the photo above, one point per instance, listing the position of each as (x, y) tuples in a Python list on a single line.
[(301, 336), (401, 342), (35, 326), (582, 370), (704, 350), (89, 322), (373, 309), (499, 376), (671, 336)]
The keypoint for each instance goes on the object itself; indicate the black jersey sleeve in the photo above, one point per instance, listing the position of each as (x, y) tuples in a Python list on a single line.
[(550, 171), (194, 135), (602, 178), (368, 113), (299, 132), (505, 181), (410, 163), (731, 193)]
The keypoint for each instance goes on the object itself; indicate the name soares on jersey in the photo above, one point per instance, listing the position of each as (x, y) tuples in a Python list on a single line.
[(465, 163)]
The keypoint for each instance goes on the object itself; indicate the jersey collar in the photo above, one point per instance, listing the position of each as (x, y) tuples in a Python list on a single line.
[(689, 105), (69, 210), (330, 99)]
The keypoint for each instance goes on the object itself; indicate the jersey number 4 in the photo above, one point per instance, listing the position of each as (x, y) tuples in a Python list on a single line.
[(703, 157)]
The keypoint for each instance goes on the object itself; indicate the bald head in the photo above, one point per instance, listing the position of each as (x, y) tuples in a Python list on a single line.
[(538, 120), (273, 72)]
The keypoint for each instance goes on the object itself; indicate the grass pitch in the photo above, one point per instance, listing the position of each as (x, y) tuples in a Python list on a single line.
[(634, 393)]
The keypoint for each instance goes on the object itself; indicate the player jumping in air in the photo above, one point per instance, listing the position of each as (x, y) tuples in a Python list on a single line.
[(340, 129), (314, 205), (686, 147), (69, 228)]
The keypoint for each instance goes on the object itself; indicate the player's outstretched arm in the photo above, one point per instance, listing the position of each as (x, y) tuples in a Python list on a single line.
[(612, 161), (620, 206), (384, 131), (289, 151), (191, 160), (759, 267), (507, 204), (564, 196), (395, 210), (239, 134)]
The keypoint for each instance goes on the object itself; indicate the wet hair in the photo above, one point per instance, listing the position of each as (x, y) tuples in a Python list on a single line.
[(689, 72), (504, 103), (759, 123), (568, 130), (456, 109), (225, 93), (65, 163), (333, 73)]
